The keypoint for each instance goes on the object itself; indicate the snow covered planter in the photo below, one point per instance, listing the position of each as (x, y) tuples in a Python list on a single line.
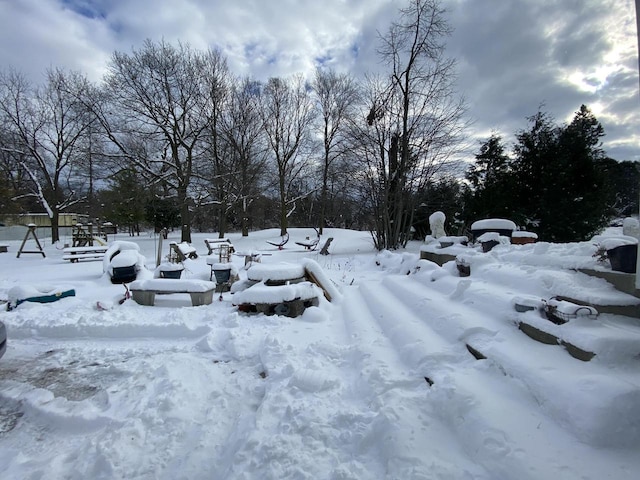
[(224, 273), (450, 241), (499, 225), (522, 238), (169, 270), (622, 253), (491, 239)]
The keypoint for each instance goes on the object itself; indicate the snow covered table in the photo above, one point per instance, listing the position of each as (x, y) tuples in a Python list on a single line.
[(75, 254), (289, 300), (144, 291)]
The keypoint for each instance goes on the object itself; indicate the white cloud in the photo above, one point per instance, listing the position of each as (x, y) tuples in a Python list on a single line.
[(513, 55)]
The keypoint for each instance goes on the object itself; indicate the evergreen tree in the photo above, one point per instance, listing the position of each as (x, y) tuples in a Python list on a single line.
[(490, 189), (558, 189)]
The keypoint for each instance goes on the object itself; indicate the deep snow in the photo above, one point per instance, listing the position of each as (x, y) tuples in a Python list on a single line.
[(376, 384)]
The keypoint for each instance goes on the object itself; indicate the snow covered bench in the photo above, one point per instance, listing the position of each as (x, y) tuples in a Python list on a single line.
[(75, 254), (144, 291)]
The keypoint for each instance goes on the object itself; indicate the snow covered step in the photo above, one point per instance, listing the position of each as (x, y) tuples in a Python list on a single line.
[(418, 345), (597, 406), (609, 337)]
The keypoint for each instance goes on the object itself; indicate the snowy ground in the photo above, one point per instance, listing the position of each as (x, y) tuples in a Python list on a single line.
[(377, 384)]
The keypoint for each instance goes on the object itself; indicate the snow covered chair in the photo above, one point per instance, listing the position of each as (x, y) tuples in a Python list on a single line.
[(280, 243), (181, 251), (122, 262), (310, 243)]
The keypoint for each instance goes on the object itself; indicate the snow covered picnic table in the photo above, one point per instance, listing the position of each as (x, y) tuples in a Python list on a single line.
[(75, 254), (144, 291)]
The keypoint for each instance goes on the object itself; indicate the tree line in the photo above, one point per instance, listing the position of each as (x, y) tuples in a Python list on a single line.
[(170, 137)]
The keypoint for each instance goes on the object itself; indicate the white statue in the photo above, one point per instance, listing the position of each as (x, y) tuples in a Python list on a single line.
[(436, 222)]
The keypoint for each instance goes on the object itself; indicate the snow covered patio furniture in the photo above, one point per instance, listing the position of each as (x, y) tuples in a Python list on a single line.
[(214, 245), (499, 225), (310, 243), (281, 242), (75, 254), (289, 300), (144, 292), (179, 252), (284, 289)]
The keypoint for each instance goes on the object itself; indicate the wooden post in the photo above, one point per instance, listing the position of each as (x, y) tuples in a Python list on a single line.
[(31, 231)]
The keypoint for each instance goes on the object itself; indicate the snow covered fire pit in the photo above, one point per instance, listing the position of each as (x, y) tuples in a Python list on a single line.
[(289, 300)]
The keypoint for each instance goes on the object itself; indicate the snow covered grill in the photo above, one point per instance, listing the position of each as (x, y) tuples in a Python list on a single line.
[(144, 292)]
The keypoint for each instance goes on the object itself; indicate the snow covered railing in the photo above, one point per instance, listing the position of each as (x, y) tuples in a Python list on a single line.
[(144, 291)]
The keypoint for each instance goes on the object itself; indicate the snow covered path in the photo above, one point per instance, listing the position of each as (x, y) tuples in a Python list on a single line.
[(379, 384)]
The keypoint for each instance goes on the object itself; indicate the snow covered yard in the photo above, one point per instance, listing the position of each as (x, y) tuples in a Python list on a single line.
[(377, 384)]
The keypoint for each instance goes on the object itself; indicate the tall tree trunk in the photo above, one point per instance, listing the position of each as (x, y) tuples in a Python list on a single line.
[(283, 207), (185, 215), (55, 228)]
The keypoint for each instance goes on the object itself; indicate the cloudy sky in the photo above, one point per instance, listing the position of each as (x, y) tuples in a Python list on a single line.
[(513, 55)]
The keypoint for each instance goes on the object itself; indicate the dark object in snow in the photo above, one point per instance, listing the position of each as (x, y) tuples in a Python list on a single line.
[(325, 247), (464, 269), (476, 353), (281, 243), (3, 339), (623, 258), (171, 273), (47, 298), (124, 274), (561, 311), (310, 243), (429, 381), (488, 246)]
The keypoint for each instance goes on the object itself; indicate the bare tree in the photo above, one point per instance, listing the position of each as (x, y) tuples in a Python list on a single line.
[(337, 96), (47, 125), (159, 96), (420, 112), (244, 135), (286, 112)]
